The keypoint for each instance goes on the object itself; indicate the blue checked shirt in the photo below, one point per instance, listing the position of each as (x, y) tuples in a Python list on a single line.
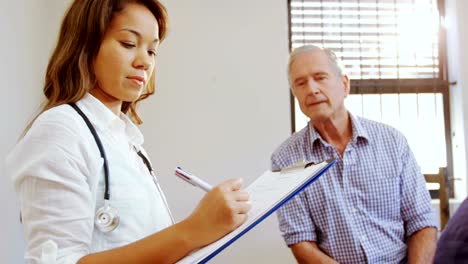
[(366, 206)]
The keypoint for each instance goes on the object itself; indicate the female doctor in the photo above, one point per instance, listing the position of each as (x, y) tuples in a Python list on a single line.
[(84, 183)]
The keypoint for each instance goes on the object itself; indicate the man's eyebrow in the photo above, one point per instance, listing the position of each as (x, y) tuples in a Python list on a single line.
[(298, 79), (320, 73), (138, 34)]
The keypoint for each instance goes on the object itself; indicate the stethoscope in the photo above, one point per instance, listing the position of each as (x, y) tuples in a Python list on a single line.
[(107, 217)]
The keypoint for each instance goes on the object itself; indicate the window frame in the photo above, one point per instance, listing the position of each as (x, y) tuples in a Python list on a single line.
[(423, 85)]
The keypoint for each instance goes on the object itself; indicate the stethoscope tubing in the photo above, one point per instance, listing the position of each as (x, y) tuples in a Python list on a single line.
[(106, 166), (101, 149)]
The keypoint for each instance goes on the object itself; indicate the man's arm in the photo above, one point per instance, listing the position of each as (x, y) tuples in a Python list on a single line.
[(417, 212), (422, 246), (308, 252)]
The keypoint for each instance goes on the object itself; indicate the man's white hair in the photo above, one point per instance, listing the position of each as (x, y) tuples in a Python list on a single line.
[(334, 60)]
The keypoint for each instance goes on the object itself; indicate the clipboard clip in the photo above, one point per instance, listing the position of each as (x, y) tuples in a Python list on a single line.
[(300, 164)]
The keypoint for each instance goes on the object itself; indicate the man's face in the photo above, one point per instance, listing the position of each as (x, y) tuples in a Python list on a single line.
[(317, 86)]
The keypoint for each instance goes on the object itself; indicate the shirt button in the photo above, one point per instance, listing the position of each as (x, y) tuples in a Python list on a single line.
[(363, 238), (354, 210)]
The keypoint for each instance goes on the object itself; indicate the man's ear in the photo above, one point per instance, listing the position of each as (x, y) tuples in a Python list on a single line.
[(346, 84)]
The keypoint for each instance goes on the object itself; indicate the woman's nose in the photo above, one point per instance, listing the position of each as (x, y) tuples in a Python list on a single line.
[(143, 60)]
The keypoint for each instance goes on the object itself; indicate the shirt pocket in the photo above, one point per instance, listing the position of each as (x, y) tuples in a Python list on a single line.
[(381, 197)]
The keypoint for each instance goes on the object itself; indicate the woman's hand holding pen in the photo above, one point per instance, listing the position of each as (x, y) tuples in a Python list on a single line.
[(221, 210)]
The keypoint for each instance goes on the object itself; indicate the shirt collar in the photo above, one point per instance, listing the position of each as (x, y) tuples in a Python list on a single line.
[(104, 119), (135, 137), (359, 131)]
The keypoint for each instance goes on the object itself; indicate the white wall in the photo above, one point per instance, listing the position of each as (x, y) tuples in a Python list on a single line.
[(221, 107)]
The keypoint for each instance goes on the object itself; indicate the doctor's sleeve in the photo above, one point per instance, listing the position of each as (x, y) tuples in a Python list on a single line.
[(56, 201)]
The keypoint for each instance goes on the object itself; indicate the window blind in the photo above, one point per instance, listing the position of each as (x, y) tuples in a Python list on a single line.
[(375, 39)]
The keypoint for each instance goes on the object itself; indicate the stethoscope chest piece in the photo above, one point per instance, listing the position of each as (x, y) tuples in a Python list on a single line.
[(107, 218)]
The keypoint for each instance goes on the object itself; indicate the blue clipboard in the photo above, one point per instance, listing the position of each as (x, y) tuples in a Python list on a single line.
[(324, 166)]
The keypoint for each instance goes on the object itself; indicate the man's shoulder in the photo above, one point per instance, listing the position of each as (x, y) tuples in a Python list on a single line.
[(379, 130), (294, 141), (286, 153)]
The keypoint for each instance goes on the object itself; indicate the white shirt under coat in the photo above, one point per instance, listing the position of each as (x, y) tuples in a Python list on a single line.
[(59, 180)]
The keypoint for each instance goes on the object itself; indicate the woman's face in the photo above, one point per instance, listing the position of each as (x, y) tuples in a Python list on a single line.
[(126, 58)]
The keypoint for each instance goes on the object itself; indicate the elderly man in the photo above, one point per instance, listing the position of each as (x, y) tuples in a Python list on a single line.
[(372, 206)]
